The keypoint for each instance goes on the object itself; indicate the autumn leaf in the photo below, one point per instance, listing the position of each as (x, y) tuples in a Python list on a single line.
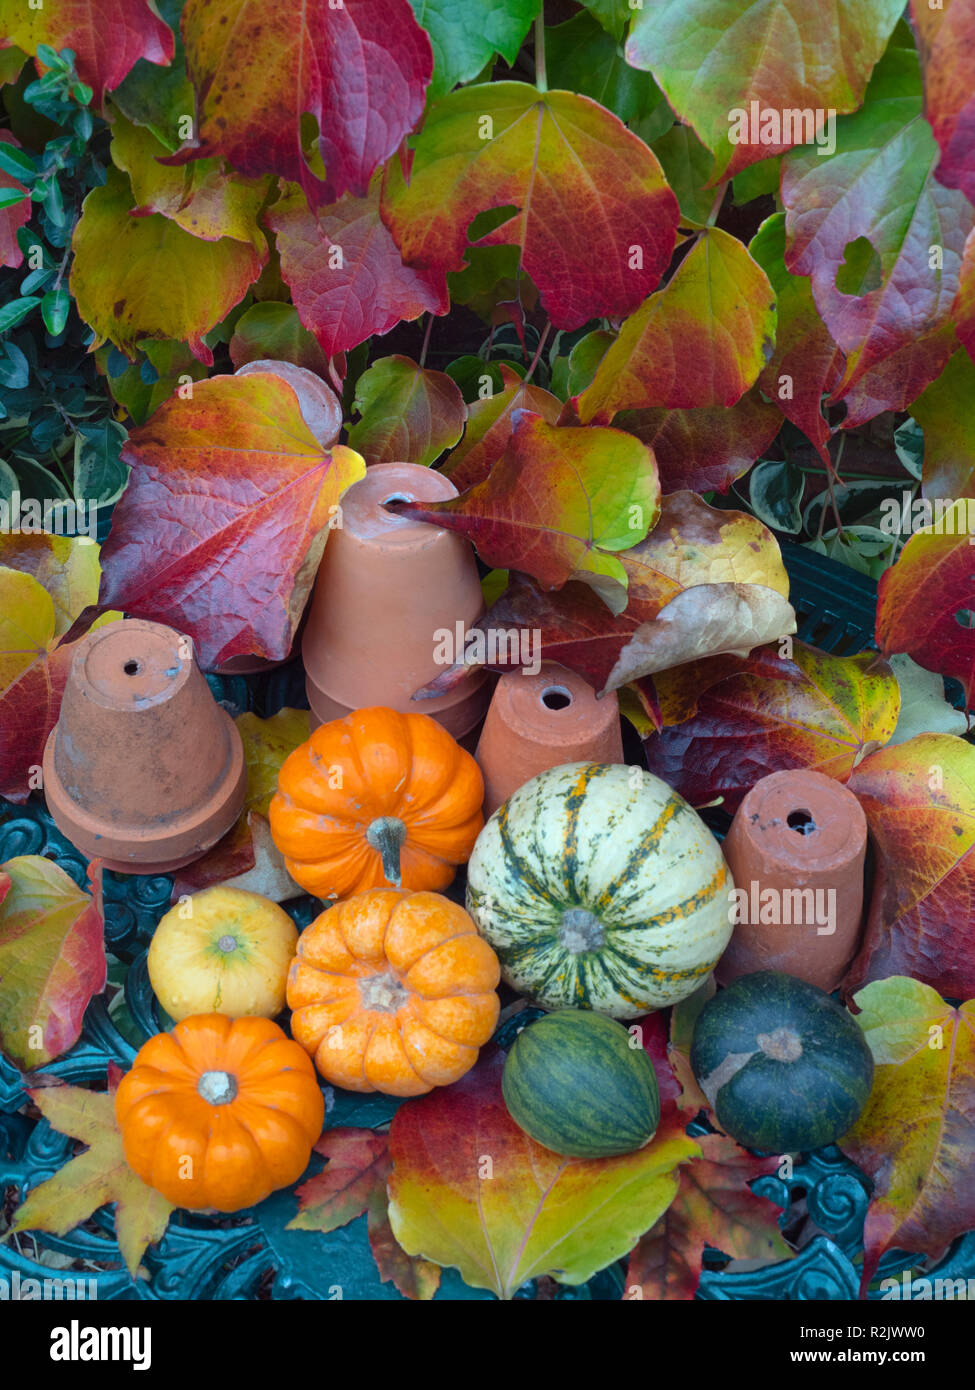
[(66, 566), (203, 198), (52, 960), (107, 37), (715, 57), (708, 448), (806, 364), (914, 1137), (357, 1163), (345, 273), (274, 332), (595, 219), (558, 504), (861, 223), (724, 566), (742, 718), (225, 517), (944, 413), (94, 1179), (461, 49), (353, 1182), (926, 602), (169, 362), (490, 422), (700, 341), (407, 413), (714, 1206), (470, 1189), (358, 68), (247, 851), (919, 800), (15, 215), (145, 277), (948, 46)]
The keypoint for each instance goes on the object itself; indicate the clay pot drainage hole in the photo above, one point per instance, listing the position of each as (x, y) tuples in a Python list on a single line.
[(556, 697), (801, 822)]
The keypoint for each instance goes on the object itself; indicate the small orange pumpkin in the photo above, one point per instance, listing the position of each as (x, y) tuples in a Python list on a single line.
[(220, 1112), (393, 992), (377, 798)]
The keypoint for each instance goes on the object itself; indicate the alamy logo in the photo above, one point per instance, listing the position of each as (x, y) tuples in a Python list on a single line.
[(54, 515), (77, 1343), (783, 907), (766, 125), (492, 646)]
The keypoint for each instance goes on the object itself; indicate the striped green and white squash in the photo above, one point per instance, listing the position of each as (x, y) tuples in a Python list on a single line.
[(600, 888)]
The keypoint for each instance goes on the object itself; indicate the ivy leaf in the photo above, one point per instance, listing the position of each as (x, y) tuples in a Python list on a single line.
[(700, 341), (359, 69), (944, 413), (613, 15), (732, 720), (775, 490), (489, 425), (806, 364), (582, 57), (346, 276), (94, 1179), (963, 309), (144, 277), (534, 1212), (714, 1207), (699, 583), (52, 960), (594, 217), (558, 504), (202, 198), (687, 164), (861, 223), (926, 602), (245, 847), (708, 448), (107, 40), (913, 1137), (949, 88), (919, 800), (274, 332), (225, 517), (99, 473), (407, 413), (462, 49), (714, 57)]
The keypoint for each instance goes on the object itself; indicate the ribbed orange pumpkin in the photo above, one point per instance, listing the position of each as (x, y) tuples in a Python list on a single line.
[(220, 1112), (377, 798), (393, 992)]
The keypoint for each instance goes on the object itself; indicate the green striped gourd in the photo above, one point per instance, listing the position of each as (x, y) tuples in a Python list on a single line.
[(574, 1083), (600, 888)]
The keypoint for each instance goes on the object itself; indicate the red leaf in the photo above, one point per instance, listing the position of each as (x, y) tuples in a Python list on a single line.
[(13, 217), (489, 426), (357, 1165), (226, 513), (108, 37), (949, 87), (925, 603), (346, 276), (708, 448), (360, 69)]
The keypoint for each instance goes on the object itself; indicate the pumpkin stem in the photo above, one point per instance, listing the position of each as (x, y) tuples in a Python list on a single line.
[(388, 834), (217, 1087)]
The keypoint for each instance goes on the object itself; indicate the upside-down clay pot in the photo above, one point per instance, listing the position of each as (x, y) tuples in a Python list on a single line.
[(143, 770), (796, 850), (535, 722), (390, 596), (321, 411)]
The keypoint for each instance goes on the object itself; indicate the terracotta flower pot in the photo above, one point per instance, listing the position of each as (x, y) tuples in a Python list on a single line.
[(535, 722), (389, 598), (796, 850), (144, 770)]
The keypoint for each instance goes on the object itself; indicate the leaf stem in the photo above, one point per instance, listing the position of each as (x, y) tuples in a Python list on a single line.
[(538, 352), (426, 340), (541, 78)]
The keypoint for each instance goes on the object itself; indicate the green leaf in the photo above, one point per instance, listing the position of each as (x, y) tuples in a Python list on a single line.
[(465, 42), (13, 313), (776, 491), (10, 197), (687, 165), (55, 307), (99, 474), (17, 162), (909, 446), (407, 412), (582, 57)]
